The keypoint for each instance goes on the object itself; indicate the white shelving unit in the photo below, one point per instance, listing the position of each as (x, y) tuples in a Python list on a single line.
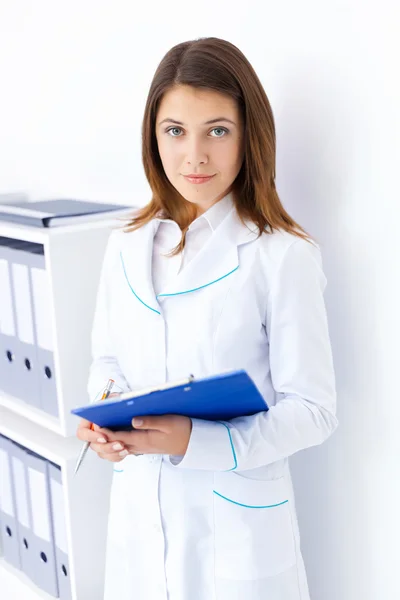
[(73, 258), (86, 501)]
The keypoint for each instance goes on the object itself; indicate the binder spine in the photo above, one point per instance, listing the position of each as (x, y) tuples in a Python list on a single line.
[(24, 511), (60, 533), (44, 335), (26, 386), (8, 513), (44, 551), (8, 332)]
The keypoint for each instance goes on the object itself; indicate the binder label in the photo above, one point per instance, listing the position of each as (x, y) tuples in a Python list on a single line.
[(21, 495), (41, 299), (39, 501), (23, 303), (60, 532), (7, 325)]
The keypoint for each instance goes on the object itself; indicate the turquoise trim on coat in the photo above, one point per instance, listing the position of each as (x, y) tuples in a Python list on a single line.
[(232, 446), (249, 505), (201, 286), (118, 470), (133, 291)]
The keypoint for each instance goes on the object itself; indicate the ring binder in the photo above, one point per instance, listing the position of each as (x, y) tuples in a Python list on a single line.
[(24, 510), (8, 376), (41, 298), (8, 512), (44, 560), (60, 533), (26, 383)]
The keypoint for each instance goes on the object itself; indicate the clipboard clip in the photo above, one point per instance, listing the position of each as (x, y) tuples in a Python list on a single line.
[(157, 388), (190, 380)]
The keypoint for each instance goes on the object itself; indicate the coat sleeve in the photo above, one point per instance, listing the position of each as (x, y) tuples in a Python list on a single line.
[(104, 363), (304, 414)]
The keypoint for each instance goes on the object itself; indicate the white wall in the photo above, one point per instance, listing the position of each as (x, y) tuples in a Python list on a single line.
[(73, 82)]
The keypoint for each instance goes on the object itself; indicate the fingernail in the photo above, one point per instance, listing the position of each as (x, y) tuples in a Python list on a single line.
[(124, 453), (117, 446), (102, 440), (137, 422)]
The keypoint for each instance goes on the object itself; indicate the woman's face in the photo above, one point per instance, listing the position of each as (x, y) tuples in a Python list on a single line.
[(200, 132)]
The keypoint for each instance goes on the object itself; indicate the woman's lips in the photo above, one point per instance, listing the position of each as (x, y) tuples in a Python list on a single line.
[(198, 180)]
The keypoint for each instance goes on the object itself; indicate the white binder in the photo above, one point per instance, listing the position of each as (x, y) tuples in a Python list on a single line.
[(60, 532), (27, 384), (24, 511), (8, 518), (8, 332), (41, 294), (26, 332), (44, 561)]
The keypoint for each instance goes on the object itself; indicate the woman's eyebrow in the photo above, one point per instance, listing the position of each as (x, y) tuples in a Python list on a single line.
[(217, 120)]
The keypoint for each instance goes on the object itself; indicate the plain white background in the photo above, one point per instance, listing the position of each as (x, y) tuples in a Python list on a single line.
[(73, 82)]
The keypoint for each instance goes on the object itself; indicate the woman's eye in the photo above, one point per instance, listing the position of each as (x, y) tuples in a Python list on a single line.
[(221, 131), (174, 129)]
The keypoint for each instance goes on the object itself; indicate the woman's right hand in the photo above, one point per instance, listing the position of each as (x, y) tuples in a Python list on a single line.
[(112, 451)]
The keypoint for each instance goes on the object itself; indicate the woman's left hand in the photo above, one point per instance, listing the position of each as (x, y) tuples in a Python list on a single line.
[(165, 434)]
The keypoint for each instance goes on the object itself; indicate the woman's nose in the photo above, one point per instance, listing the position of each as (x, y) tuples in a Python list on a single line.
[(196, 153)]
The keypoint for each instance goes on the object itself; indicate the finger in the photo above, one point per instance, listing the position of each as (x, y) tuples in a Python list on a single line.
[(112, 436), (84, 423), (125, 437), (96, 427), (134, 438), (112, 448), (160, 422), (111, 457), (138, 451), (87, 435)]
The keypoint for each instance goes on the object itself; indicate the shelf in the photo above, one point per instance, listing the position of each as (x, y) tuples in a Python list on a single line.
[(39, 439), (30, 412), (15, 585)]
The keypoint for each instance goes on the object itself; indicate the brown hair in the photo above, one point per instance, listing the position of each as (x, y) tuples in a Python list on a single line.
[(215, 64)]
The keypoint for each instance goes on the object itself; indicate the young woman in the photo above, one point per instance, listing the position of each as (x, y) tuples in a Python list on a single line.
[(212, 274)]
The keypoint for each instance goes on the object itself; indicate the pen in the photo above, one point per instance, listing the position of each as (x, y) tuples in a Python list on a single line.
[(86, 445)]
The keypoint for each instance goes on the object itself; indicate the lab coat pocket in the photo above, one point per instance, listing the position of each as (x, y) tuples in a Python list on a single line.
[(253, 527)]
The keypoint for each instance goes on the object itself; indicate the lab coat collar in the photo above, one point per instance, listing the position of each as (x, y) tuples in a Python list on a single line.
[(216, 260)]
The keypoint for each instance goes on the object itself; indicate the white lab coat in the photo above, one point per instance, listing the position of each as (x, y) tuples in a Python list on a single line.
[(221, 523)]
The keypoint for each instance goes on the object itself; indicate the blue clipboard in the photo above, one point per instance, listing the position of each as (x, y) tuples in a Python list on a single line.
[(219, 397)]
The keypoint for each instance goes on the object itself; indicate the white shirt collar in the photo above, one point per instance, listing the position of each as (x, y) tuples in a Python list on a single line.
[(216, 213), (212, 216)]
